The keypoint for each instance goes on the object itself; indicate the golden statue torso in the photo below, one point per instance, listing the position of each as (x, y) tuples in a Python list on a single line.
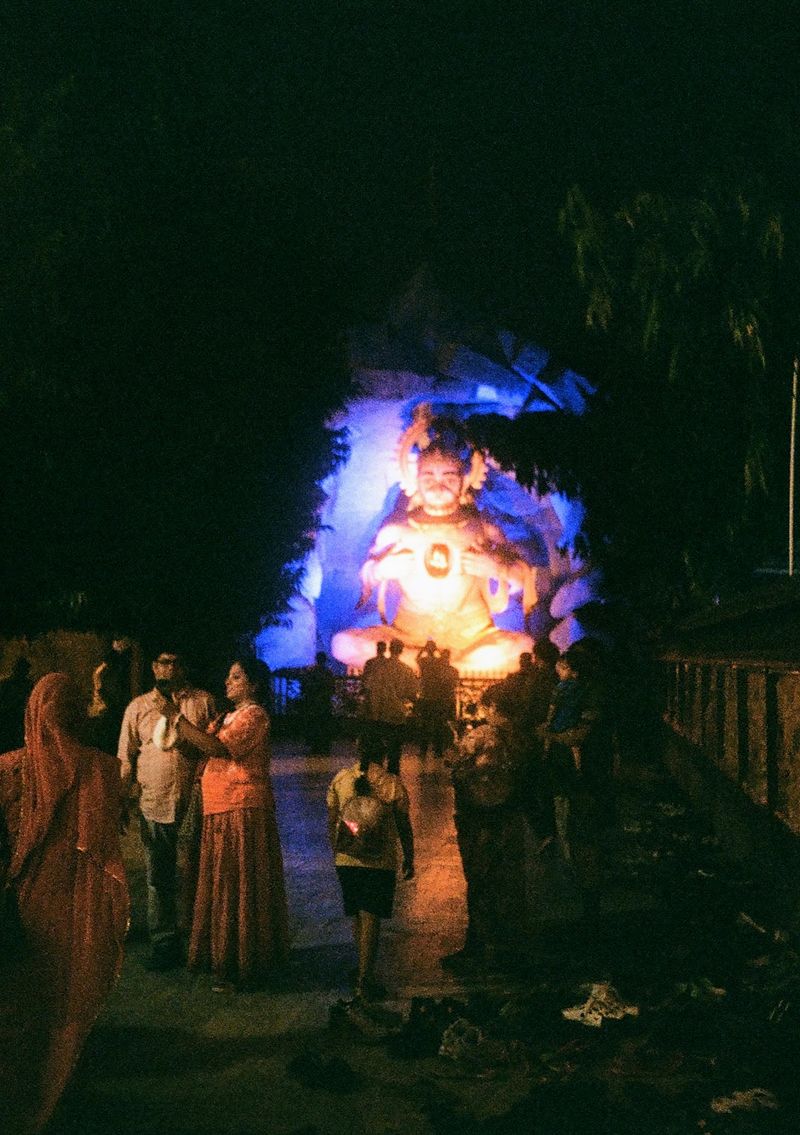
[(437, 598)]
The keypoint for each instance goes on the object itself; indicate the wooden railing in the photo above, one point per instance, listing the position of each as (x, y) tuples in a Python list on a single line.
[(744, 716)]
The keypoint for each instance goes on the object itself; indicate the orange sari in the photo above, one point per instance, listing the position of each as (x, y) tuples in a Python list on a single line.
[(60, 803)]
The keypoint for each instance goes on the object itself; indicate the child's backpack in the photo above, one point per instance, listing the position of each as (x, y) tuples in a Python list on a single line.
[(363, 827)]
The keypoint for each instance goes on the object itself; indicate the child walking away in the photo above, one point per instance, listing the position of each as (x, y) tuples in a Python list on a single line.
[(367, 817)]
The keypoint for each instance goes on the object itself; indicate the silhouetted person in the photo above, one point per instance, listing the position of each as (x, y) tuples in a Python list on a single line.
[(448, 677), (511, 692), (372, 663), (436, 705), (391, 690), (579, 760), (318, 686), (541, 680), (539, 684), (14, 694), (112, 689), (366, 729), (490, 829)]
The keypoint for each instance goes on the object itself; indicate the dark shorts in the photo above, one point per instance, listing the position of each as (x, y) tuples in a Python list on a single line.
[(367, 888)]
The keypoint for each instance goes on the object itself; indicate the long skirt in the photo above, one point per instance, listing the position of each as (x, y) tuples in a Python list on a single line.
[(240, 924)]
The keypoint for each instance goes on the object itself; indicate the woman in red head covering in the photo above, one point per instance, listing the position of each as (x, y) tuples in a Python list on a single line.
[(59, 822)]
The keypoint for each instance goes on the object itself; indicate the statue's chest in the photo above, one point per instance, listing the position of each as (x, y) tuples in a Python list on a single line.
[(438, 550)]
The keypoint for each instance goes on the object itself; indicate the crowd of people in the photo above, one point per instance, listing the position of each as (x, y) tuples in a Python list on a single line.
[(531, 767), (535, 763), (194, 777)]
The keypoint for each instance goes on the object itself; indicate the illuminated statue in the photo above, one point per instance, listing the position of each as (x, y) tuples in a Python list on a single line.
[(449, 568)]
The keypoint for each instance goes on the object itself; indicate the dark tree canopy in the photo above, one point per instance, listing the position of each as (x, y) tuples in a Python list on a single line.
[(171, 339), (681, 457)]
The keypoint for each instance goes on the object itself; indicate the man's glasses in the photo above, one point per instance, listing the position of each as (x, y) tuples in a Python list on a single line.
[(166, 661)]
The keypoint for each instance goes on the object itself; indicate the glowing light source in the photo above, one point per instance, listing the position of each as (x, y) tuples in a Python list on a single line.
[(489, 659), (437, 560)]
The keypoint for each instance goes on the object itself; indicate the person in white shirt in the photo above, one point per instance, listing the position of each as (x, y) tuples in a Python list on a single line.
[(165, 780)]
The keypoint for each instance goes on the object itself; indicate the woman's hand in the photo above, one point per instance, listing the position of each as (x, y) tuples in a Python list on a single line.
[(215, 725), (166, 706)]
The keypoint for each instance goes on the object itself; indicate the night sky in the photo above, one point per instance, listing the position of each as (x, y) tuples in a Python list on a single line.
[(451, 124), (454, 130)]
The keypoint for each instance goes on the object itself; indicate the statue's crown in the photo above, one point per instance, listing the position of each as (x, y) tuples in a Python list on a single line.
[(445, 434)]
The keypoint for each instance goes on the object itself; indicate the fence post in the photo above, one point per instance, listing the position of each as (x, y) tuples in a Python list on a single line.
[(742, 726), (772, 739)]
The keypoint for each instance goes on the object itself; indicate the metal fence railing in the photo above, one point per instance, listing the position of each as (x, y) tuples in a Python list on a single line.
[(286, 702)]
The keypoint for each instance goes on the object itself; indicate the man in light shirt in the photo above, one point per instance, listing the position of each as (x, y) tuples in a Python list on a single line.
[(165, 779)]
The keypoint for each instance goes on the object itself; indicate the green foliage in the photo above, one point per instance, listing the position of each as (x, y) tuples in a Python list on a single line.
[(683, 294), (684, 304)]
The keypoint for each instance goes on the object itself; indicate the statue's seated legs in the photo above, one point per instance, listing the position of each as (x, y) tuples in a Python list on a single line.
[(497, 651), (494, 652), (357, 644)]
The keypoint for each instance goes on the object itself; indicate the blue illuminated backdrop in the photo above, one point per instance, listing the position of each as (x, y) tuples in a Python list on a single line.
[(418, 357)]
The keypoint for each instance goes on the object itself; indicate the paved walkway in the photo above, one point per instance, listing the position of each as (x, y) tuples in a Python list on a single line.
[(169, 1055)]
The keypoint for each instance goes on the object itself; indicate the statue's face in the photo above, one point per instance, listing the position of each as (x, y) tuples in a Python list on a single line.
[(440, 481)]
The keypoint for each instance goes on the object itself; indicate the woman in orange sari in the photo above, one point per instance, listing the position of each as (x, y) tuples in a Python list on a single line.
[(239, 930), (59, 816)]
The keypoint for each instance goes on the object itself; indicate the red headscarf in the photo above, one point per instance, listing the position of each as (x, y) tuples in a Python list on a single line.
[(72, 895), (54, 760)]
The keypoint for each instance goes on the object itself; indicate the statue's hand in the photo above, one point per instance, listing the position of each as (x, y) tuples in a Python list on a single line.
[(397, 565), (481, 565)]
